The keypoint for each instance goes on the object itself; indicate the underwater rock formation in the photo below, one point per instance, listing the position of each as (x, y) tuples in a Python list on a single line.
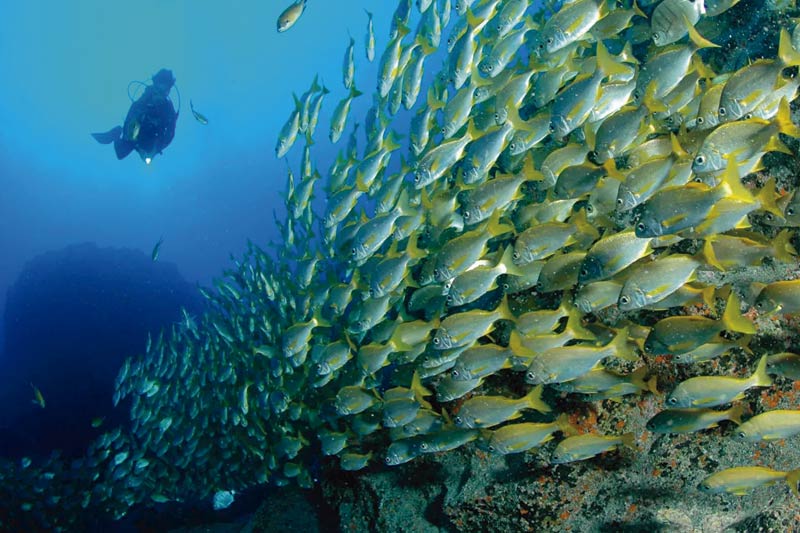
[(71, 318), (533, 320)]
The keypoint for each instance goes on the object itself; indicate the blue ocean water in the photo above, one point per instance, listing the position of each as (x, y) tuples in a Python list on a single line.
[(78, 225), (66, 72)]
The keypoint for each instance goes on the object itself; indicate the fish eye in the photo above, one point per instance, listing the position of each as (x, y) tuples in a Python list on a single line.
[(416, 179), (458, 420), (512, 146), (549, 40), (700, 120), (722, 112), (449, 299), (748, 116), (657, 36), (423, 445), (489, 67), (589, 208), (552, 127), (530, 375), (454, 373), (624, 300), (466, 214), (672, 401), (491, 448), (790, 211), (506, 286), (584, 271), (699, 160), (515, 255), (353, 252), (640, 226), (769, 217), (436, 341), (742, 434), (636, 94), (620, 202)]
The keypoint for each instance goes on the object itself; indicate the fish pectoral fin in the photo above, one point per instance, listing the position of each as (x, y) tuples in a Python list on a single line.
[(109, 136), (673, 220), (703, 401)]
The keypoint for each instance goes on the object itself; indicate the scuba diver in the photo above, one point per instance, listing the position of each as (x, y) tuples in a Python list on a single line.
[(150, 124)]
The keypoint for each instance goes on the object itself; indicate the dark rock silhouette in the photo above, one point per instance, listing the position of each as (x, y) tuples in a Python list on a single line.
[(71, 318)]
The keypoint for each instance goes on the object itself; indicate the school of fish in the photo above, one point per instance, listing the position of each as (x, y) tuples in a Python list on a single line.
[(538, 226)]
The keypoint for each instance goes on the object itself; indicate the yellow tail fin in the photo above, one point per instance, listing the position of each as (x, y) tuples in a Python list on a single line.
[(732, 318), (784, 119), (629, 440), (606, 63), (793, 480), (788, 55), (735, 414), (534, 400), (782, 247), (760, 378), (698, 40)]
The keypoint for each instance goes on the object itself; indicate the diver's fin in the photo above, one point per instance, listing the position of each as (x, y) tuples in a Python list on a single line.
[(123, 148), (108, 137)]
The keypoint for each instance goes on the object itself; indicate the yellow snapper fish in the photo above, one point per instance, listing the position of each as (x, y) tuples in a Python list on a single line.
[(739, 141), (711, 391), (782, 296), (770, 425), (751, 85), (462, 329), (521, 437), (289, 17), (612, 254), (370, 38), (570, 24), (602, 380), (479, 361), (740, 480), (477, 281), (487, 411), (156, 249), (682, 208), (574, 104), (565, 363), (581, 447), (691, 420), (199, 117), (597, 295), (349, 66), (670, 19), (389, 68), (651, 282), (38, 398), (784, 364), (340, 114), (681, 334)]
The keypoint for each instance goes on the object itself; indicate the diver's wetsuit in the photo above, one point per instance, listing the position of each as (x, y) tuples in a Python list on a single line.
[(155, 116), (150, 124)]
